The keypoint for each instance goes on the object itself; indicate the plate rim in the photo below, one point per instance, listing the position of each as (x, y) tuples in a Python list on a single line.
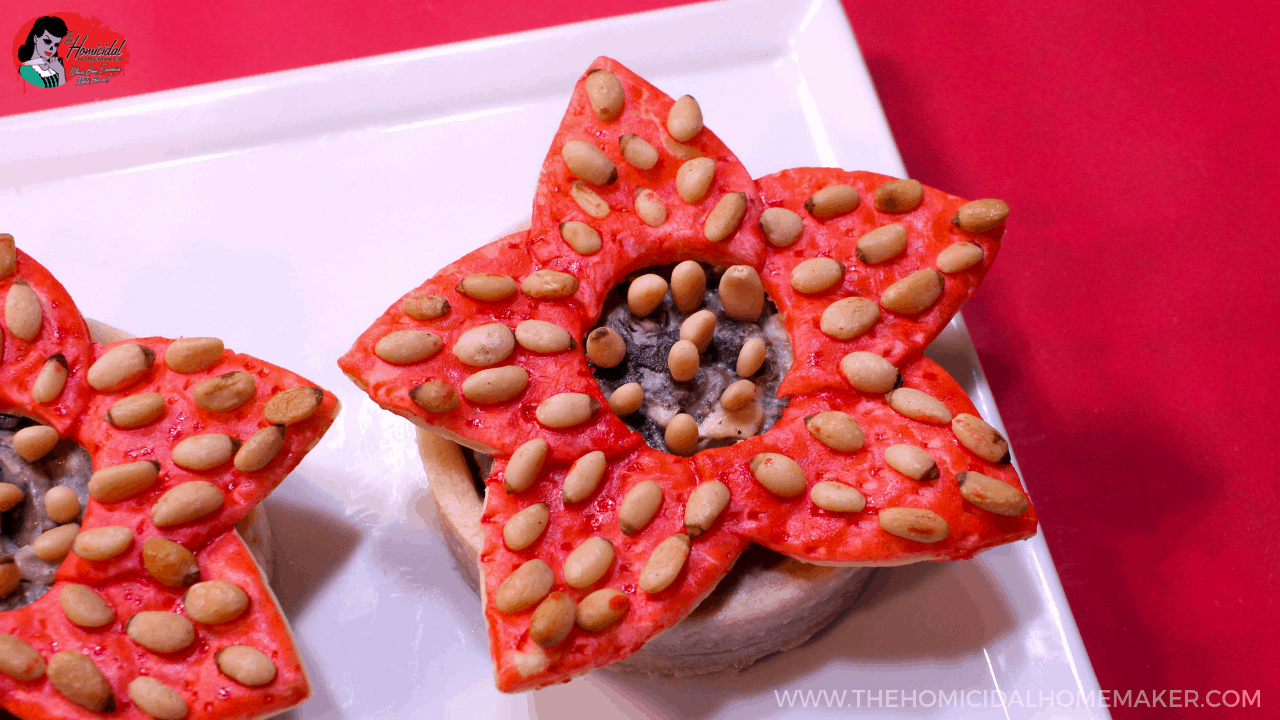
[(203, 109)]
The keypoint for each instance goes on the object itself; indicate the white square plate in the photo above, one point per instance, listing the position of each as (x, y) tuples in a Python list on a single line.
[(283, 213)]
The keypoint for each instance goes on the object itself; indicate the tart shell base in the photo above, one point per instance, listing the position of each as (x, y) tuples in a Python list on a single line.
[(768, 603)]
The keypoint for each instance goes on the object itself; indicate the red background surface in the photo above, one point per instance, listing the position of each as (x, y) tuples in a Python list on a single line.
[(1129, 330)]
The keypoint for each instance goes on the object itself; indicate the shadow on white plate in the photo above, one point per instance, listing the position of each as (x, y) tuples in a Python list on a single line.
[(310, 546)]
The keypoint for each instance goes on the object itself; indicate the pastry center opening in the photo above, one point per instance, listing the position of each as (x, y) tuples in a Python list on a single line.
[(42, 502), (691, 355)]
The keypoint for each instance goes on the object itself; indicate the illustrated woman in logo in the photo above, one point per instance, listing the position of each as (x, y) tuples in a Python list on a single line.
[(41, 65)]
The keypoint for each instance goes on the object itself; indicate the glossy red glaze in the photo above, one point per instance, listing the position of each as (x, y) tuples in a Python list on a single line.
[(62, 332)]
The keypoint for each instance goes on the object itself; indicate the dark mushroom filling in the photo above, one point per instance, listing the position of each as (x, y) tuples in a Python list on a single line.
[(66, 465), (649, 341)]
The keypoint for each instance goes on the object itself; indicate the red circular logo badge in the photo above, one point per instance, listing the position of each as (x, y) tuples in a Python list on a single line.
[(53, 51)]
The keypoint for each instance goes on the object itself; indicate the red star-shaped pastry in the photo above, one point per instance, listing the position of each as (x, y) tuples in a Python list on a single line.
[(158, 609), (595, 542)]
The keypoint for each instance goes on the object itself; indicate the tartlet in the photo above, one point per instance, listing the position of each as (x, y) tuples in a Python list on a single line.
[(595, 541), (157, 607)]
